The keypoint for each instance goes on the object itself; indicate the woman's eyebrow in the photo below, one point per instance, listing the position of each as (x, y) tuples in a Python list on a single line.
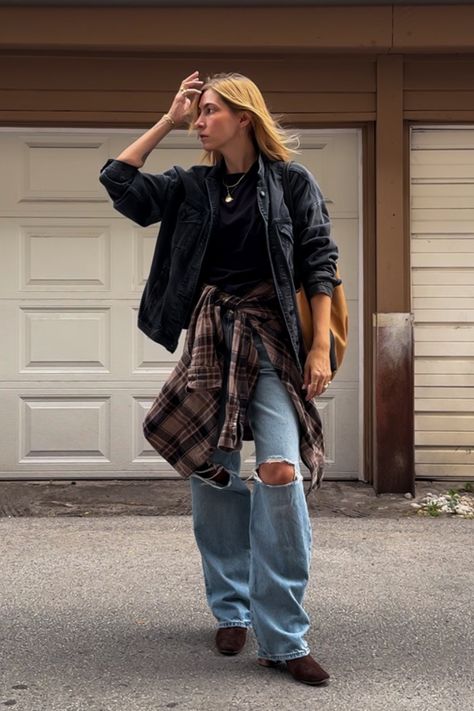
[(208, 103)]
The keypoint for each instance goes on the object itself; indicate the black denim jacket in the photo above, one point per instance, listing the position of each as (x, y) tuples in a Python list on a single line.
[(186, 202)]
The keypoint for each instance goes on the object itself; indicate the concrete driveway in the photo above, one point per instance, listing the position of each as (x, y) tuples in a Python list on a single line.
[(109, 613)]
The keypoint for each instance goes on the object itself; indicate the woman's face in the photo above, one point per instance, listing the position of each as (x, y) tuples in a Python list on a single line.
[(217, 125)]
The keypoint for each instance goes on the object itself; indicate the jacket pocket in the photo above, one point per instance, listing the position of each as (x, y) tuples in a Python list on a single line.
[(284, 229), (188, 212), (186, 237)]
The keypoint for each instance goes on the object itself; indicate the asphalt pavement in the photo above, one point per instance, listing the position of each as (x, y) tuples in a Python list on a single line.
[(107, 613)]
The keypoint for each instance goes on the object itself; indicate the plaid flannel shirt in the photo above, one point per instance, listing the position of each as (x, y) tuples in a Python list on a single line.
[(183, 424)]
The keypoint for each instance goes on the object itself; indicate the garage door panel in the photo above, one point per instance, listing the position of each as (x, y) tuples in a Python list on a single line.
[(450, 333), (61, 339), (445, 381), (445, 245), (440, 159), (441, 471), (436, 220), (445, 201), (61, 169), (65, 257), (443, 259), (100, 432), (64, 429), (444, 276), (440, 316), (444, 404), (448, 290), (464, 456), (427, 392), (48, 168), (423, 191), (444, 423), (444, 439), (442, 248), (77, 430), (445, 365), (447, 137), (456, 349), (47, 342), (442, 172), (447, 303)]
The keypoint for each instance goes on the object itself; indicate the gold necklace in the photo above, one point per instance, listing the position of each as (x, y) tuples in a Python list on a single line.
[(228, 197)]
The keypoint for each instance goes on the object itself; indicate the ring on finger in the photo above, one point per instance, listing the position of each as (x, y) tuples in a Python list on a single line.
[(183, 89)]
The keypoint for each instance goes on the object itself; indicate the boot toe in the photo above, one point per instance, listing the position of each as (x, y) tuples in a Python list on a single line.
[(307, 670)]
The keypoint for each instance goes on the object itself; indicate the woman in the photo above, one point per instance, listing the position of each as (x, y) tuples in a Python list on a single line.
[(227, 262)]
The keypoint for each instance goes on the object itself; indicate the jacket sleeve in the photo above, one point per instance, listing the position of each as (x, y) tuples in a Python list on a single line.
[(316, 251), (139, 196)]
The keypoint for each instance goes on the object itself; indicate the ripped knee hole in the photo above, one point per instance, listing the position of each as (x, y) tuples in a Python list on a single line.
[(276, 472)]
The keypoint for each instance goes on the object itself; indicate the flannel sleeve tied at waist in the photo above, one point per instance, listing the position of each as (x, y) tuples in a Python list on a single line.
[(183, 424)]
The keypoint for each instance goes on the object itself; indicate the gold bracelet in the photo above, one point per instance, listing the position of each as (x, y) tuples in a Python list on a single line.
[(168, 118)]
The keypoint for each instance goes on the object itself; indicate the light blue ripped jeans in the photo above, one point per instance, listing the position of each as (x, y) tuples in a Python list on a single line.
[(256, 548)]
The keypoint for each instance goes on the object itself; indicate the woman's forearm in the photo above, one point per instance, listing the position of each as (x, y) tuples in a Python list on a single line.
[(137, 152), (189, 92), (321, 312)]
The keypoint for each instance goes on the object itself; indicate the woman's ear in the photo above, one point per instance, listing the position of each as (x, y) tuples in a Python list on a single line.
[(245, 119)]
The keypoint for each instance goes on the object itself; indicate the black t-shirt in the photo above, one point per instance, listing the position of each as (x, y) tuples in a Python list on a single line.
[(236, 257)]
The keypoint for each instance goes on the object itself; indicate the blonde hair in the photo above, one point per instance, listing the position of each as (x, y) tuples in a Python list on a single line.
[(241, 94)]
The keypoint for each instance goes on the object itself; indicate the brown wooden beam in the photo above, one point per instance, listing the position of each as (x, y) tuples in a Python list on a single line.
[(446, 28), (392, 272), (129, 101), (96, 71), (204, 29), (393, 347)]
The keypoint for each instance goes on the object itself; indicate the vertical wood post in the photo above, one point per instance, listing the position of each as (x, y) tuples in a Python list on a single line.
[(393, 340)]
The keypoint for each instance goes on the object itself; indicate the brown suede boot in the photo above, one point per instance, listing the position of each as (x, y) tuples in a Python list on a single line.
[(307, 670), (230, 640), (304, 669)]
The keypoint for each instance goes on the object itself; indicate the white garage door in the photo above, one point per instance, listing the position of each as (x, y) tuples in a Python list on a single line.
[(442, 247), (76, 374)]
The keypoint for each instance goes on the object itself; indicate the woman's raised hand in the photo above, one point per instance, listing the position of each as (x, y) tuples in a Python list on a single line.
[(189, 92)]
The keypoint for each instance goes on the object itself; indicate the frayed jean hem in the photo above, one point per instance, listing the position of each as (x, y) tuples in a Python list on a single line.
[(210, 482), (235, 623), (284, 657)]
